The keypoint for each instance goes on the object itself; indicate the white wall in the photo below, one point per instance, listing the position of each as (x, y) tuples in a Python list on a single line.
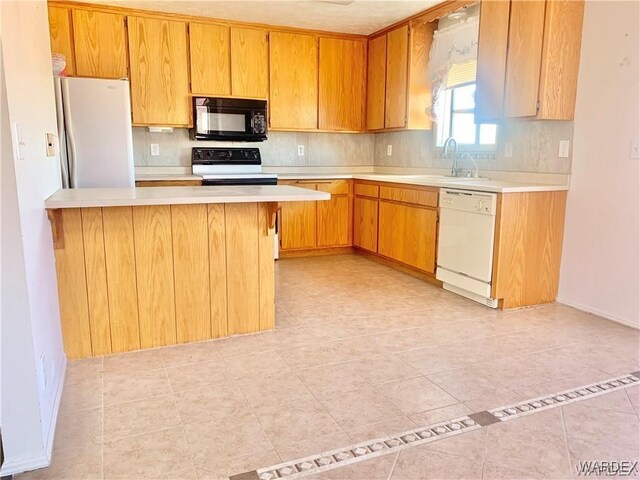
[(31, 329), (600, 259)]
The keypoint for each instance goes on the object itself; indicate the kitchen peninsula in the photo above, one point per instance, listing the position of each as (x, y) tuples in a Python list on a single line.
[(147, 267)]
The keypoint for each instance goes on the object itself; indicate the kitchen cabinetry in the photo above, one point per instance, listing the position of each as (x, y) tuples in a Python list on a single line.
[(365, 216), (528, 58), (308, 226), (249, 63), (60, 35), (398, 84), (210, 59), (159, 71), (341, 84), (397, 222), (293, 81), (100, 44)]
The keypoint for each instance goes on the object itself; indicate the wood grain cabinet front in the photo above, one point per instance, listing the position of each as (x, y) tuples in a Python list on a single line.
[(249, 63), (100, 42), (342, 68), (528, 59), (210, 59), (158, 55), (365, 223), (293, 81), (60, 36)]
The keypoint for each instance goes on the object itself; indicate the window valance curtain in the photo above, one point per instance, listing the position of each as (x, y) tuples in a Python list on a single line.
[(453, 57)]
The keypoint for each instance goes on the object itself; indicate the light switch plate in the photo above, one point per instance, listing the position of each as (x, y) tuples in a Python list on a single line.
[(52, 144), (301, 150), (389, 150), (508, 150), (155, 149), (563, 149), (18, 141)]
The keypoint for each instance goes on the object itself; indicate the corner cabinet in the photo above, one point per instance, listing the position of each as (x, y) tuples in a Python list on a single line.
[(399, 223), (528, 58), (159, 72), (398, 88), (306, 228)]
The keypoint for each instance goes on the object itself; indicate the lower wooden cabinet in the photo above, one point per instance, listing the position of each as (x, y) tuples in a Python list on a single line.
[(408, 233), (317, 225), (365, 223), (298, 225)]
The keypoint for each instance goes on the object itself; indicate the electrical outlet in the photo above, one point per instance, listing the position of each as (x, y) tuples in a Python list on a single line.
[(634, 153), (155, 149), (389, 150), (301, 150), (508, 150), (563, 149)]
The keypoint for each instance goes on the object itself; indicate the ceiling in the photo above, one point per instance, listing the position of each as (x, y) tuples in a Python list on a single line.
[(358, 16)]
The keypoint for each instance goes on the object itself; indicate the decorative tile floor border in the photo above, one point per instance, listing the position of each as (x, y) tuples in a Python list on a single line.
[(419, 436)]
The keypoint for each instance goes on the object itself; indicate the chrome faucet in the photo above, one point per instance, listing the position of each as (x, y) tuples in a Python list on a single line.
[(445, 152), (468, 156)]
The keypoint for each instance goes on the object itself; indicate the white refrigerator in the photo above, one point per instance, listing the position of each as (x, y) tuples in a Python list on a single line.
[(94, 130)]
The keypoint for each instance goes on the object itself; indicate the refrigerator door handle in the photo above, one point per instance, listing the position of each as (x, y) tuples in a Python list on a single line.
[(71, 144)]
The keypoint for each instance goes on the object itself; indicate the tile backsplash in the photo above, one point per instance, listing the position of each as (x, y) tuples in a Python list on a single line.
[(281, 149), (535, 149)]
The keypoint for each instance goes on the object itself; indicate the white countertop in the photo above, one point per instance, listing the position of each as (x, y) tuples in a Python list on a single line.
[(157, 177), (475, 184), (118, 197)]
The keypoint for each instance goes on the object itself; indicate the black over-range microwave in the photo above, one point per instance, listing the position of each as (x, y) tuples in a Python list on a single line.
[(229, 119)]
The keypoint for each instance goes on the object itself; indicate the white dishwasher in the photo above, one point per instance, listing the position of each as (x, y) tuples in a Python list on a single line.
[(465, 243)]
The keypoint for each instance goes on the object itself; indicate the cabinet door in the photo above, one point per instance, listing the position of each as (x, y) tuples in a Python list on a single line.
[(365, 223), (293, 81), (210, 59), (341, 84), (159, 71), (60, 35), (333, 221), (249, 63), (376, 79), (100, 44), (396, 88), (526, 28), (493, 37), (297, 225), (408, 234)]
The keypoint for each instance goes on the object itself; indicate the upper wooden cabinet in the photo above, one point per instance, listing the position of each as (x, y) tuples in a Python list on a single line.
[(159, 71), (249, 63), (376, 82), (398, 86), (100, 44), (209, 47), (395, 115), (60, 34), (528, 58), (493, 37), (293, 81), (342, 84)]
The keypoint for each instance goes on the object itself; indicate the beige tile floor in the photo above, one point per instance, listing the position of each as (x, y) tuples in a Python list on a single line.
[(360, 351)]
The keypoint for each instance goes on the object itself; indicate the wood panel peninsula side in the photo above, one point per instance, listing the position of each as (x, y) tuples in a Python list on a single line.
[(148, 267)]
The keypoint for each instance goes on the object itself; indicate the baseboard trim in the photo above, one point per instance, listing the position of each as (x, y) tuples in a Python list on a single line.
[(595, 311), (409, 270), (315, 252), (44, 460)]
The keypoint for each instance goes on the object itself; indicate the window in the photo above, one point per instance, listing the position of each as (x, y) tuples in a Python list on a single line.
[(457, 120)]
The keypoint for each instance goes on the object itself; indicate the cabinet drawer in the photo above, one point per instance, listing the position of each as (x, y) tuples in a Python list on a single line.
[(366, 190), (335, 187), (427, 198)]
